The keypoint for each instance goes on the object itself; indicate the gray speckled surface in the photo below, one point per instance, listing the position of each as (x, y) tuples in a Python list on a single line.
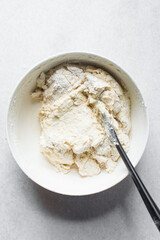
[(127, 32)]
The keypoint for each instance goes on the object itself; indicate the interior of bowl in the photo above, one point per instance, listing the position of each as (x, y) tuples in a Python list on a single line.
[(24, 131)]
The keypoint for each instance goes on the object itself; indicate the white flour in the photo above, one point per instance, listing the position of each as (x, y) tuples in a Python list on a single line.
[(73, 100)]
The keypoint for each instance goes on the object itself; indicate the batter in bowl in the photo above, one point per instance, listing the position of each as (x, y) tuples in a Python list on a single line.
[(74, 98)]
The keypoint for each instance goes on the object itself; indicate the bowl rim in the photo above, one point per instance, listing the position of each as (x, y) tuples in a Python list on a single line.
[(11, 100)]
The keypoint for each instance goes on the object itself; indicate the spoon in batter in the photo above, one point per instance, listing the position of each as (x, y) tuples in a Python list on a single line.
[(149, 202)]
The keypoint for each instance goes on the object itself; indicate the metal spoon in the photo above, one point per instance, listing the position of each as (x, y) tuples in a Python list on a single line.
[(150, 204)]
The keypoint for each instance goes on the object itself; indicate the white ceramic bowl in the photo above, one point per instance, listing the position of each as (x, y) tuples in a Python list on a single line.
[(24, 131)]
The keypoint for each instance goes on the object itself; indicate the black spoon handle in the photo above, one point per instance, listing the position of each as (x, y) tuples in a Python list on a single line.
[(150, 204)]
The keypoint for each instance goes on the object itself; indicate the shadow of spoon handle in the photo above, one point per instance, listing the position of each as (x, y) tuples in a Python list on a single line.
[(149, 202)]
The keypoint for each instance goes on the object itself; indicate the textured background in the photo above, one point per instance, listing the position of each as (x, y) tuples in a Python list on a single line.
[(127, 32)]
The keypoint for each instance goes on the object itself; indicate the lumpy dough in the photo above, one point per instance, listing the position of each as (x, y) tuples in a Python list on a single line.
[(72, 134)]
